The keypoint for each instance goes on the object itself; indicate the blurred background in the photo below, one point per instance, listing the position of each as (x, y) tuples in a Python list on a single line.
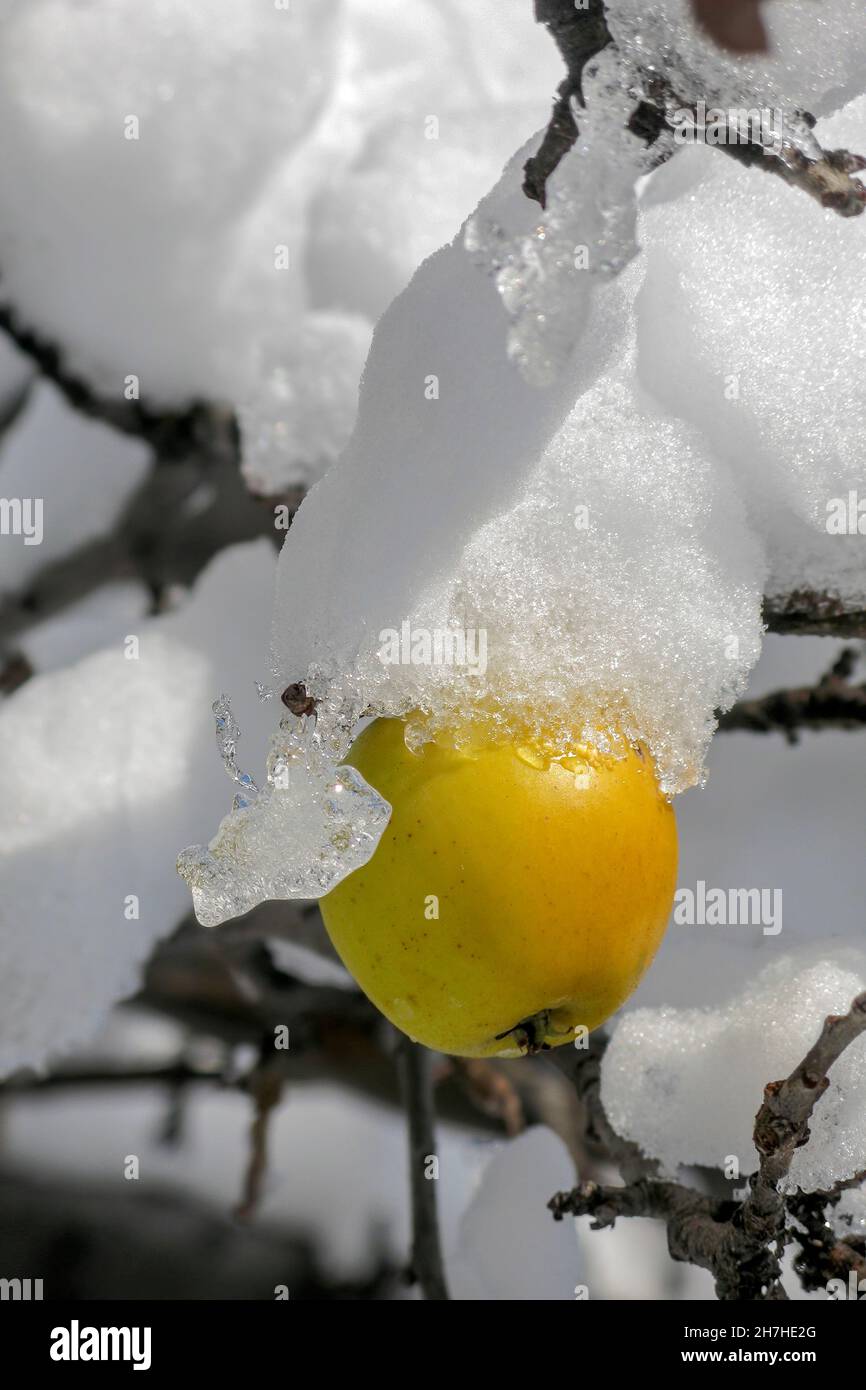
[(186, 311)]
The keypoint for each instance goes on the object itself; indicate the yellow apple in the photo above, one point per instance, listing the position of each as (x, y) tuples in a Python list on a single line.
[(512, 900)]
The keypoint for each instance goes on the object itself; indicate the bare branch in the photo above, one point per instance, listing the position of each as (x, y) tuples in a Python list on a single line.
[(427, 1264), (808, 613), (205, 428), (834, 703), (266, 1089)]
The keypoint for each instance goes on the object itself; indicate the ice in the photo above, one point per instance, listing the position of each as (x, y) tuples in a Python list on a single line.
[(817, 58), (686, 1084), (508, 1247), (587, 229), (310, 826), (408, 192), (108, 766)]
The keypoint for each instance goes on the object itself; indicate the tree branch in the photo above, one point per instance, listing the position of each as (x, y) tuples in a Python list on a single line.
[(809, 613), (834, 703), (580, 34), (740, 1243), (208, 429), (427, 1265)]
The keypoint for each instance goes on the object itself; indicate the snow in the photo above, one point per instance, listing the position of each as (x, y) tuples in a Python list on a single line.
[(104, 617), (509, 1247), (816, 60), (80, 471), (161, 249), (108, 766), (307, 965), (778, 395), (686, 1084)]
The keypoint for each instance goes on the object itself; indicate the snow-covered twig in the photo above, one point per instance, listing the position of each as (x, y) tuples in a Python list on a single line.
[(740, 1243), (428, 1268), (580, 34), (834, 703), (782, 1123)]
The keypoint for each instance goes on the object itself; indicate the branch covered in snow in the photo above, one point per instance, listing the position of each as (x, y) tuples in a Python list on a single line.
[(739, 1243), (834, 703), (581, 33), (782, 1123)]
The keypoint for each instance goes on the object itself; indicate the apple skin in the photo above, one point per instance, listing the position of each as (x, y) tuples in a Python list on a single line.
[(552, 881)]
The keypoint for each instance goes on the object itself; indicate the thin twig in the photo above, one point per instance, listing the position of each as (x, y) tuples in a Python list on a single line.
[(581, 33), (427, 1264), (834, 703), (266, 1089)]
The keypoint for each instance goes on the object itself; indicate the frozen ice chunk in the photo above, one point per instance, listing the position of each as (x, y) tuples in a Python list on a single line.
[(817, 58), (686, 1084), (587, 230), (310, 826)]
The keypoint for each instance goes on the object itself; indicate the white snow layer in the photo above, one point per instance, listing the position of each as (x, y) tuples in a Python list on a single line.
[(686, 1084), (508, 1246), (610, 533), (221, 196), (107, 767)]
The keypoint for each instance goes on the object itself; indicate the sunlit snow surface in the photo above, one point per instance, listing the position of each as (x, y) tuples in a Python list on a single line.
[(686, 1084), (221, 196)]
